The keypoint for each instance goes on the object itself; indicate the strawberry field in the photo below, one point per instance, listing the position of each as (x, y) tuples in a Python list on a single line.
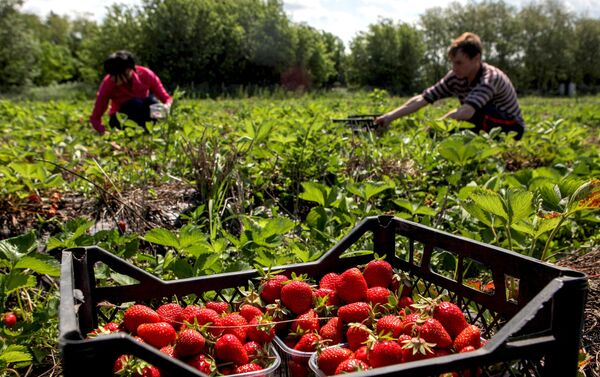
[(229, 185)]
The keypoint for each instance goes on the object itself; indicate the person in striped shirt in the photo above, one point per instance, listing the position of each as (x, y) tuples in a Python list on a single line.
[(486, 94), (131, 90)]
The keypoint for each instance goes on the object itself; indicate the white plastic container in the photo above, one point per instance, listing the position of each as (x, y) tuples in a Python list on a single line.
[(158, 111)]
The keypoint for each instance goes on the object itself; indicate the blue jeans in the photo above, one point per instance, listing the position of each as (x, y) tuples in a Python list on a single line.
[(136, 109)]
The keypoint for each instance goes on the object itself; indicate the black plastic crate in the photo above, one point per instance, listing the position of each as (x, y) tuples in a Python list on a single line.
[(359, 122), (534, 331)]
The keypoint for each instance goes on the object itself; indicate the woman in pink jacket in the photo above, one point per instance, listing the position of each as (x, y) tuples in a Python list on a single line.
[(131, 89)]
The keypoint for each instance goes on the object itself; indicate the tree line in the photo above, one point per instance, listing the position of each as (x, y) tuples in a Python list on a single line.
[(212, 46)]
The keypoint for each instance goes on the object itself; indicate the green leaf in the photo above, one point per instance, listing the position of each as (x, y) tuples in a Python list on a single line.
[(317, 218), (519, 204), (372, 189), (489, 201), (161, 236), (426, 211), (12, 357), (406, 204), (478, 213), (18, 280), (524, 227), (314, 192), (29, 171), (546, 225), (190, 235), (15, 248), (198, 249), (122, 279), (40, 264), (551, 197)]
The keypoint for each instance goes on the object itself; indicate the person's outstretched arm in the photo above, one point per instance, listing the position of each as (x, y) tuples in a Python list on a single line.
[(100, 106), (409, 107), (465, 112)]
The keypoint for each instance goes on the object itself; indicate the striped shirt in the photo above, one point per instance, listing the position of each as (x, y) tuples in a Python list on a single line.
[(490, 87)]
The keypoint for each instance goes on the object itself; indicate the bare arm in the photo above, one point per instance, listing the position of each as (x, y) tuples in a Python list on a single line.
[(412, 105), (465, 112)]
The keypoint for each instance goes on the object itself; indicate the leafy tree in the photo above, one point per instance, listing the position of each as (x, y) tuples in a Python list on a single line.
[(19, 49), (336, 50), (587, 51), (388, 55), (120, 30), (268, 42), (435, 29), (547, 33), (312, 58)]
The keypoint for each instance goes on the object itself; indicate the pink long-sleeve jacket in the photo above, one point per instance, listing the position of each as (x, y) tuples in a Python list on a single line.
[(143, 81)]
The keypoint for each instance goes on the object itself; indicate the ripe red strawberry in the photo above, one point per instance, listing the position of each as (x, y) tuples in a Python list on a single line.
[(203, 316), (405, 302), (297, 296), (106, 329), (389, 324), (218, 306), (306, 322), (229, 348), (263, 329), (451, 317), (387, 352), (250, 367), (409, 324), (270, 290), (330, 358), (416, 348), (378, 295), (351, 365), (189, 343), (332, 297), (354, 312), (137, 315), (147, 371), (112, 327), (378, 273), (235, 324), (168, 350), (357, 335), (470, 336), (253, 349), (433, 332), (362, 353), (203, 363), (121, 362), (332, 331), (171, 313), (250, 311), (157, 334), (329, 281), (352, 286), (402, 283), (308, 342)]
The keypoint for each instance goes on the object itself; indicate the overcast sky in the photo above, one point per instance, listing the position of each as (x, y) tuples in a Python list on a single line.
[(343, 18)]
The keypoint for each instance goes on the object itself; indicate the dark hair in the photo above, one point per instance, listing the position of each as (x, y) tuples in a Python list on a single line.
[(468, 43), (119, 62)]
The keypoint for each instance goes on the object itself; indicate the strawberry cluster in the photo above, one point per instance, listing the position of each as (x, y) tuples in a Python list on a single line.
[(210, 338), (371, 310)]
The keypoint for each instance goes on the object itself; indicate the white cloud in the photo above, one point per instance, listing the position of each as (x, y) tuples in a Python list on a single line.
[(344, 18), (96, 9)]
